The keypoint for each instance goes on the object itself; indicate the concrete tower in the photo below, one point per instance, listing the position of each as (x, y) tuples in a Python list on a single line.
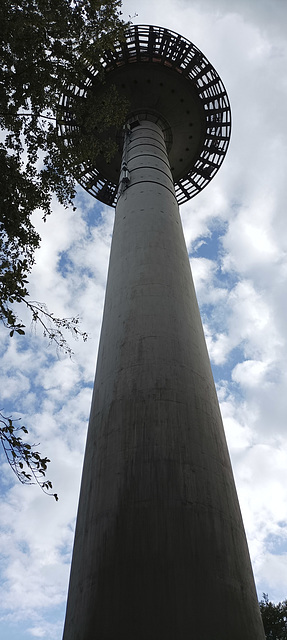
[(160, 551)]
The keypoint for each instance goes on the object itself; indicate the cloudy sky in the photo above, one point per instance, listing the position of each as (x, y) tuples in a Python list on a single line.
[(236, 233)]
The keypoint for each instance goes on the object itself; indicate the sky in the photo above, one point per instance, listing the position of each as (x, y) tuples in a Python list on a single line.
[(236, 235)]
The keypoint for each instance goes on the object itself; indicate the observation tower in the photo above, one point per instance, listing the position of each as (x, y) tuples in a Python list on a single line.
[(160, 551)]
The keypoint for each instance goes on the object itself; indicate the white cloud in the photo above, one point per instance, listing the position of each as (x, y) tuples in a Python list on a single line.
[(243, 298)]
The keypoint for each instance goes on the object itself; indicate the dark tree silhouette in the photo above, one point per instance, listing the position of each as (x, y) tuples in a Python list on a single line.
[(274, 618), (26, 462), (45, 46)]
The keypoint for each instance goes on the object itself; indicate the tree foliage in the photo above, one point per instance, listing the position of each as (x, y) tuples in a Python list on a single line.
[(274, 618), (46, 47), (24, 460)]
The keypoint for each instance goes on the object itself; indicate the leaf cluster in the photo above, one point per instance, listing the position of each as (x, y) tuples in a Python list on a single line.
[(53, 327), (47, 48), (27, 463), (274, 617)]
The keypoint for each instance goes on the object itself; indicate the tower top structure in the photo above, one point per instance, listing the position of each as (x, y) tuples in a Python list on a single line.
[(167, 80)]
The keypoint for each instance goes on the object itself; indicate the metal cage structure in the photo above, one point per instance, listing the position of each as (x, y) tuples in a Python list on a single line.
[(174, 62)]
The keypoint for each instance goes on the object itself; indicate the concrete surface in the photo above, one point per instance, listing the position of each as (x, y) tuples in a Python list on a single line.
[(160, 551)]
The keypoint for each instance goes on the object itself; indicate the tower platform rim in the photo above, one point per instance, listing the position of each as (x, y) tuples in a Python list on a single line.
[(168, 53)]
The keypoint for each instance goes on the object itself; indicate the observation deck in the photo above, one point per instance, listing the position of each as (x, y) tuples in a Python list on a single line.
[(167, 80)]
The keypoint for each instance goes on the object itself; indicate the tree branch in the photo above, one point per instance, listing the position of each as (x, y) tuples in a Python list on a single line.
[(25, 462)]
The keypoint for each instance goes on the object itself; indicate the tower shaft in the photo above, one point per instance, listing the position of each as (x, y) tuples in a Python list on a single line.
[(160, 550)]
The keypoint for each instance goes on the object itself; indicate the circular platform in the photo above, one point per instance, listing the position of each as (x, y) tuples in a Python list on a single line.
[(166, 79)]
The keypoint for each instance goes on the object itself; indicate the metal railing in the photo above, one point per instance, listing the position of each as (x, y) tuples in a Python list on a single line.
[(145, 43)]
